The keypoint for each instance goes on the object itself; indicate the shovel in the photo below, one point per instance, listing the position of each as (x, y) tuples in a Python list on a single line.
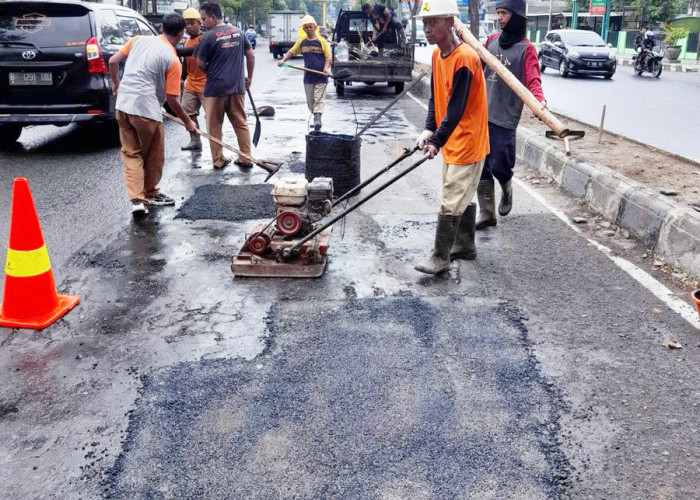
[(340, 75), (256, 134), (271, 167)]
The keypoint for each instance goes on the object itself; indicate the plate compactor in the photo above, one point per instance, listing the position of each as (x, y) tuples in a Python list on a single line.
[(294, 243)]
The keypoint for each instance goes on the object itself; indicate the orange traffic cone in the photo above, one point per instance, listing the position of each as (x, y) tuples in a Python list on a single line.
[(30, 299)]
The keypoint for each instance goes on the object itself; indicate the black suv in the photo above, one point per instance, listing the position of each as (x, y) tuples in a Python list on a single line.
[(53, 62)]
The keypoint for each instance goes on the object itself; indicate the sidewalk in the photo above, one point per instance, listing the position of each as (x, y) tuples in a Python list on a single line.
[(669, 229)]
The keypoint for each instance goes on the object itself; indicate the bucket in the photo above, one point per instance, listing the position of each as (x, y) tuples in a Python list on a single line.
[(696, 299), (336, 156)]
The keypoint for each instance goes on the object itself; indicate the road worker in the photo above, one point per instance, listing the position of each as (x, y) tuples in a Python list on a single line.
[(317, 56), (193, 96), (457, 125)]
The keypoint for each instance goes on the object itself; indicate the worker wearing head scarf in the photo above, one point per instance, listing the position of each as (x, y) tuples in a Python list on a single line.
[(517, 53)]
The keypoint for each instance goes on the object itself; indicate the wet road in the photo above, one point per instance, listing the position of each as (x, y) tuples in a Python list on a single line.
[(536, 371), (663, 112)]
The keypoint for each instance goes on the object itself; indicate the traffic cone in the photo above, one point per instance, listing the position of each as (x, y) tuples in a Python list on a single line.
[(30, 299)]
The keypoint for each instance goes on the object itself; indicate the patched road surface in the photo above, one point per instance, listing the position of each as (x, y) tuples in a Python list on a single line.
[(536, 371)]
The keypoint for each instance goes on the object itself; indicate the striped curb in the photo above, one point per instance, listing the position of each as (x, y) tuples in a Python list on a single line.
[(670, 230)]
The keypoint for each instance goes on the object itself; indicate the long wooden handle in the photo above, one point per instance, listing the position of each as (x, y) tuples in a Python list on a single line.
[(520, 90), (307, 69), (214, 139)]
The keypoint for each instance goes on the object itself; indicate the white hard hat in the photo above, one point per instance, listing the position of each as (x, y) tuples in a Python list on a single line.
[(307, 19), (438, 8)]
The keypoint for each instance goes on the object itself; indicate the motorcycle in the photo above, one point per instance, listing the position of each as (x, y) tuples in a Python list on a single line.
[(250, 34), (650, 63)]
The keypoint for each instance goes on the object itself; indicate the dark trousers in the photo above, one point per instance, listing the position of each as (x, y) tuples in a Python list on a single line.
[(501, 160)]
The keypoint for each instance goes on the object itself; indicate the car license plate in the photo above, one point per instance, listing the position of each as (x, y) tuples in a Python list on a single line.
[(595, 64), (31, 78)]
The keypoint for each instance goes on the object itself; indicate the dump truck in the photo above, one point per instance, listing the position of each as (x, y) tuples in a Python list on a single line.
[(283, 26), (392, 65)]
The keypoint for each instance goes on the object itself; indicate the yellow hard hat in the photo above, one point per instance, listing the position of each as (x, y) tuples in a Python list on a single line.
[(307, 19), (191, 13)]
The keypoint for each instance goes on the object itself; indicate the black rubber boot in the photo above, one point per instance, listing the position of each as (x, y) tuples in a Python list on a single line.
[(464, 246), (439, 259), (195, 143), (487, 204), (506, 204)]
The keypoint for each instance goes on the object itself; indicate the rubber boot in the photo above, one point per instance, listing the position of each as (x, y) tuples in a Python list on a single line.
[(464, 246), (195, 143), (487, 204), (506, 204), (317, 121), (439, 259)]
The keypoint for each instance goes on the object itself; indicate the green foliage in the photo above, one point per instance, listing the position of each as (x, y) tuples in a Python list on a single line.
[(657, 10), (674, 33)]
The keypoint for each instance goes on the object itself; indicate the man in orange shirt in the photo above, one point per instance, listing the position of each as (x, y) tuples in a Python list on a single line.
[(457, 124), (193, 97)]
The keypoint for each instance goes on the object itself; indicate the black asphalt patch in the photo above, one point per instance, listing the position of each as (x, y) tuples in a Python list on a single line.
[(229, 203), (391, 398)]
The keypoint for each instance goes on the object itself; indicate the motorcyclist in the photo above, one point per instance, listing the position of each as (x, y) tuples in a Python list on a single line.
[(647, 46), (251, 35), (639, 39)]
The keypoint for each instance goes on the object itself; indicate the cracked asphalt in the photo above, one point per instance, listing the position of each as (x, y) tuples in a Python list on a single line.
[(535, 372)]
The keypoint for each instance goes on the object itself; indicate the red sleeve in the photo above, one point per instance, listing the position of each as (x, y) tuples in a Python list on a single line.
[(490, 38), (531, 71)]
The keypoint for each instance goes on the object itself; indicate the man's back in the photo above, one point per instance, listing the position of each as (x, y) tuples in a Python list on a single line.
[(222, 49), (151, 69)]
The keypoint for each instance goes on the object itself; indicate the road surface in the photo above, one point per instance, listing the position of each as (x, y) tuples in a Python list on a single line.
[(537, 371)]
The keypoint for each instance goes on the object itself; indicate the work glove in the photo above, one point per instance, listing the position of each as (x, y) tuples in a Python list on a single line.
[(423, 138)]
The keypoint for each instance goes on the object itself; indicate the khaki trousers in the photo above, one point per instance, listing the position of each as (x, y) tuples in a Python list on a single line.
[(192, 102), (232, 106), (315, 96), (459, 183), (143, 154)]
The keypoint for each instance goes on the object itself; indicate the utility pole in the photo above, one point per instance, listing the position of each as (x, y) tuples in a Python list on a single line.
[(606, 21), (549, 17), (574, 14), (324, 5)]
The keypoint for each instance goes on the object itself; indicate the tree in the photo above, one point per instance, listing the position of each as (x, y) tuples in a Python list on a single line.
[(657, 10), (474, 17)]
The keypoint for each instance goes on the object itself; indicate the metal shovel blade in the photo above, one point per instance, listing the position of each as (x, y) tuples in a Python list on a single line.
[(256, 134)]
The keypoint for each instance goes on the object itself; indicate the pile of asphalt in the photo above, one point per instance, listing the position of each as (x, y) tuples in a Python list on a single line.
[(229, 203)]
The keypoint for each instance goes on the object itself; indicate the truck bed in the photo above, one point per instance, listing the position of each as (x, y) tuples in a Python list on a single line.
[(376, 70)]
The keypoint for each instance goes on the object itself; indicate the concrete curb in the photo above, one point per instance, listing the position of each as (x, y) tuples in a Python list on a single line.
[(670, 230)]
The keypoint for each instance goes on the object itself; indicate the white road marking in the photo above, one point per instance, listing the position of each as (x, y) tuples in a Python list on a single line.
[(660, 291), (418, 101)]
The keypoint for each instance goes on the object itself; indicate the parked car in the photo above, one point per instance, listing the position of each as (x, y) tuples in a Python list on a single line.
[(53, 62), (577, 52), (420, 34)]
